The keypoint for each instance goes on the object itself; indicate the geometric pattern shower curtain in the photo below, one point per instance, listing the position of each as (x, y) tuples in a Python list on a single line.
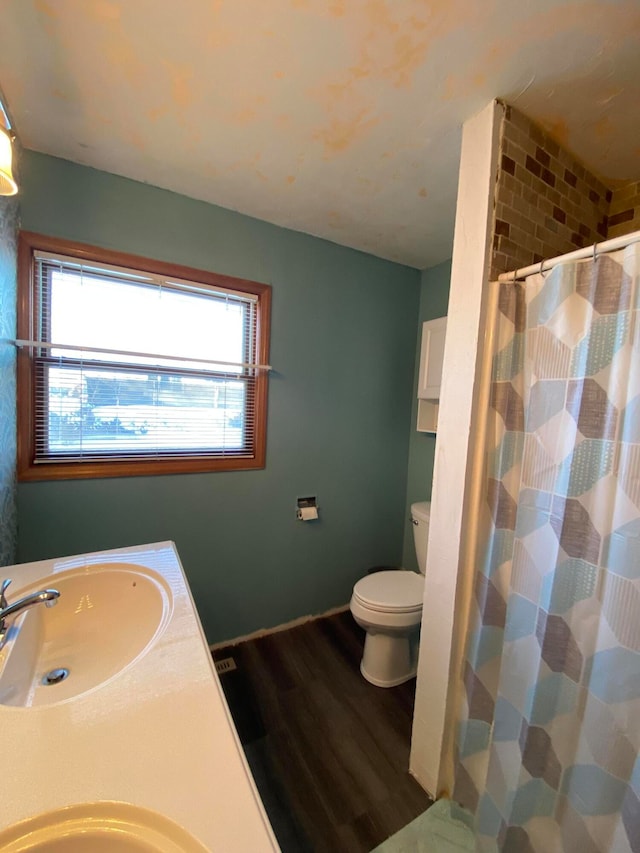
[(547, 746)]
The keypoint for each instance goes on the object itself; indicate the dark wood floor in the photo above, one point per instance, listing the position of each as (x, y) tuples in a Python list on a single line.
[(328, 750)]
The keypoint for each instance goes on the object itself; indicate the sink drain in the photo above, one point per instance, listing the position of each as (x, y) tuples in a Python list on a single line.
[(55, 676)]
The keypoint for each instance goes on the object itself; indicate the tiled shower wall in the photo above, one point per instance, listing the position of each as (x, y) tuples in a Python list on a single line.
[(547, 203), (624, 213)]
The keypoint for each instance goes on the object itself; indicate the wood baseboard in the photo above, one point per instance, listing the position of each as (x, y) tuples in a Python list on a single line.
[(263, 632)]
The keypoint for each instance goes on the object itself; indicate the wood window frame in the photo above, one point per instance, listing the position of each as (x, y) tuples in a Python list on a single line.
[(27, 468)]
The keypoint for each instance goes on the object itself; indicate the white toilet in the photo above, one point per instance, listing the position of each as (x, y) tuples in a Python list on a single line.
[(388, 605)]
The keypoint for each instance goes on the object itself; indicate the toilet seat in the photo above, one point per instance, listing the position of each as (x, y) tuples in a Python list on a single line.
[(390, 592)]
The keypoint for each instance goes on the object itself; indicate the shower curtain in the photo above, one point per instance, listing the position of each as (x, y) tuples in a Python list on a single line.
[(547, 745)]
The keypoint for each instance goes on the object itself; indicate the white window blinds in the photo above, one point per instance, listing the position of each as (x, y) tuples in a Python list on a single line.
[(129, 365)]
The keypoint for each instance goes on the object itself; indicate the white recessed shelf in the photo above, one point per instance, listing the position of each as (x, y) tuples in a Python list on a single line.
[(430, 377), (427, 416)]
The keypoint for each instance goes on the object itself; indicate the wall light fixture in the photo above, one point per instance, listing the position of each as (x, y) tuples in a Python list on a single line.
[(8, 185)]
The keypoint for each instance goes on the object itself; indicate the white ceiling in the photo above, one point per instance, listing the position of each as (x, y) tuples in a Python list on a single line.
[(339, 118)]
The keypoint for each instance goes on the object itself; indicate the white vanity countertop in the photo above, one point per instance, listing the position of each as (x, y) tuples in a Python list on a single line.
[(158, 735)]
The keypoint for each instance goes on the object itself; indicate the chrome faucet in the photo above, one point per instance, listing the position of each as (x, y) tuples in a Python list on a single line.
[(48, 596)]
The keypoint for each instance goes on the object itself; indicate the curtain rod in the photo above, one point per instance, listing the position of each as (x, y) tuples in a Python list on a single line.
[(74, 348), (579, 254)]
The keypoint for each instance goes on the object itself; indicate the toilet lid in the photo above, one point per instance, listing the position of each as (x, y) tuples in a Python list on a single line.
[(395, 591)]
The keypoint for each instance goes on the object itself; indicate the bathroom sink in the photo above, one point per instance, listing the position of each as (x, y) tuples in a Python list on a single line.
[(107, 616), (104, 827)]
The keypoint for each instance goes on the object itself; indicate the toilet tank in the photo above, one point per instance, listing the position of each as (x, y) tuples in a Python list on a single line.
[(420, 515)]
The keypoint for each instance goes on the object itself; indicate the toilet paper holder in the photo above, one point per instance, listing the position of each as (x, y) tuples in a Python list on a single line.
[(307, 508)]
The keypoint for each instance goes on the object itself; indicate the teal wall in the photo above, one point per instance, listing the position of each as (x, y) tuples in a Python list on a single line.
[(434, 299), (8, 249), (343, 349)]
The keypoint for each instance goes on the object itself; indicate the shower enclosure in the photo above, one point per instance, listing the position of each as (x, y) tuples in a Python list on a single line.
[(549, 729)]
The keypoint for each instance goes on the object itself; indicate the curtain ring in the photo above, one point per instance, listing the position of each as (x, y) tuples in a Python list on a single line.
[(541, 271), (595, 253)]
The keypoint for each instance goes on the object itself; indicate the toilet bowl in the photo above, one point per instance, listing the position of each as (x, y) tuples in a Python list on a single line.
[(388, 605)]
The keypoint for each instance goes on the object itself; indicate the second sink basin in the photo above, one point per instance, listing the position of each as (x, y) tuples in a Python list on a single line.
[(107, 616), (99, 828)]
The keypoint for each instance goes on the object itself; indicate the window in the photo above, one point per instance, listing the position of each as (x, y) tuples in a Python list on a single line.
[(131, 366)]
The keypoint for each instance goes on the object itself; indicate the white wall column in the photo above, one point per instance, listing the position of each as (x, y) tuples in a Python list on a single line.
[(455, 485)]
